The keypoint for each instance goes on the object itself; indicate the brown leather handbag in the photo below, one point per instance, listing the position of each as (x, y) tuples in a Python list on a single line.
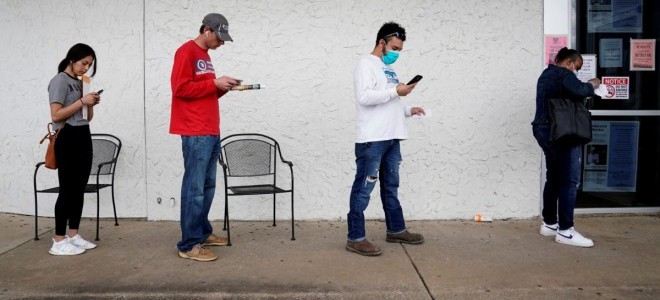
[(50, 161)]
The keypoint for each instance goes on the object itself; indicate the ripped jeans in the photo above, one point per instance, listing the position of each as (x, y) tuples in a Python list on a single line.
[(376, 162)]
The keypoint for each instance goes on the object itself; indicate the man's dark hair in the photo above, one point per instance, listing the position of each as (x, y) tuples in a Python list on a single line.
[(390, 30), (201, 29)]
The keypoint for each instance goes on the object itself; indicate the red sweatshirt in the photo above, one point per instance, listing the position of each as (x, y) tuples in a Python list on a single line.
[(195, 107)]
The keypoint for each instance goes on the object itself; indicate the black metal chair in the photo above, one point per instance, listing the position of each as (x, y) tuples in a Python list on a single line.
[(252, 158), (106, 149)]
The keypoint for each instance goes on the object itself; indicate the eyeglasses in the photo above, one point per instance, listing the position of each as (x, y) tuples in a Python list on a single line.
[(401, 36)]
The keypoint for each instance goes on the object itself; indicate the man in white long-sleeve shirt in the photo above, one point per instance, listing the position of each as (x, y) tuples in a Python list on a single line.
[(380, 126)]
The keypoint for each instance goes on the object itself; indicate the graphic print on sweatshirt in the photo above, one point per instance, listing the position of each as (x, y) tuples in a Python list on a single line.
[(390, 75), (203, 67)]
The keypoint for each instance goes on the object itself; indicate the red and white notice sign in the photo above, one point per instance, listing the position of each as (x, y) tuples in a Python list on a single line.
[(617, 87)]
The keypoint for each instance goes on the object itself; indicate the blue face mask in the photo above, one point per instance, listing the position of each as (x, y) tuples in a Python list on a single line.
[(390, 57)]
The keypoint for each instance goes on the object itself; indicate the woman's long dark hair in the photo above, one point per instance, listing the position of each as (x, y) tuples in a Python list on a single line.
[(76, 53)]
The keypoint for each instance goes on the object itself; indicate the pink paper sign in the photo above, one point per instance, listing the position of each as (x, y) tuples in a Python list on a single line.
[(553, 43), (642, 55)]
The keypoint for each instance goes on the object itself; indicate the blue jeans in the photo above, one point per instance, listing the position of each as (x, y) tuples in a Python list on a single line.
[(200, 159), (376, 161), (563, 163)]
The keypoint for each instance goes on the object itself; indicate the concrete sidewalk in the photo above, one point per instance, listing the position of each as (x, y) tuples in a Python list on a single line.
[(459, 260)]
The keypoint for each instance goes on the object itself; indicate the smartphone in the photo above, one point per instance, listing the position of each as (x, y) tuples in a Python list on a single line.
[(99, 92), (415, 79)]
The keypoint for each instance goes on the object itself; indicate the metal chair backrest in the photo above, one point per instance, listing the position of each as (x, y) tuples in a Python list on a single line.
[(248, 157), (106, 148)]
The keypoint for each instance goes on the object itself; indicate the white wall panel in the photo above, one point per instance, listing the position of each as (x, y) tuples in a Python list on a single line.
[(479, 60), (36, 37), (556, 16)]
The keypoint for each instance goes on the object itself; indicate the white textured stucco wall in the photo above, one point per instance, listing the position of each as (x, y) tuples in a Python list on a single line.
[(480, 61), (35, 37)]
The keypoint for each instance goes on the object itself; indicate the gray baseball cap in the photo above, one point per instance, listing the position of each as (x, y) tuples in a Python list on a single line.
[(218, 23)]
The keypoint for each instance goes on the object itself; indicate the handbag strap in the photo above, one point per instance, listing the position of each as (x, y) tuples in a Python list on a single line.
[(49, 133), (561, 85), (49, 129), (561, 91)]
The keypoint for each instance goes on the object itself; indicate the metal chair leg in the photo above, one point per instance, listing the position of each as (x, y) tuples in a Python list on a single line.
[(36, 218), (274, 210), (227, 219), (98, 208), (224, 221), (114, 208), (293, 228), (228, 230)]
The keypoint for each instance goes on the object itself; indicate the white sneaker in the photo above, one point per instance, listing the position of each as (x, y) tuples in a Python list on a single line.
[(548, 230), (63, 247), (573, 238), (79, 242)]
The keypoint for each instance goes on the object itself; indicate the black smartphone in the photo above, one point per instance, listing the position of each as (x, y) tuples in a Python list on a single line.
[(415, 79), (99, 92)]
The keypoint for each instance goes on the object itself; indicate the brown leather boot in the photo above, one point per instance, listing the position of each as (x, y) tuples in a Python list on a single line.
[(405, 237), (363, 248)]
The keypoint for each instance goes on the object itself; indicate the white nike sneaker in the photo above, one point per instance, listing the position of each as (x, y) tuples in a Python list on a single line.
[(63, 247), (548, 230), (79, 242), (573, 238)]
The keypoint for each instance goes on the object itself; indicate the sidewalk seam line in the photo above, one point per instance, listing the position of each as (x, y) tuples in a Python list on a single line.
[(419, 274), (23, 243)]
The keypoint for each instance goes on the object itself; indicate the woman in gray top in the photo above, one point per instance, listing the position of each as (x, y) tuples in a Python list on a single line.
[(73, 149)]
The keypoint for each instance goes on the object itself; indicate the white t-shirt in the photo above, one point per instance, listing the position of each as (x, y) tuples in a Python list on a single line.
[(380, 112)]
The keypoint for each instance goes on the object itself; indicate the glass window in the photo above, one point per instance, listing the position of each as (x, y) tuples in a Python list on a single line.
[(605, 28), (621, 167)]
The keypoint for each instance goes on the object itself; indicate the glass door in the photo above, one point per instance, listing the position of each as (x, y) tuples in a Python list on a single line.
[(621, 166)]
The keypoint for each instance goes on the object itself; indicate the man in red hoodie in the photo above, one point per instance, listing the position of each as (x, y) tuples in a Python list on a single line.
[(196, 117)]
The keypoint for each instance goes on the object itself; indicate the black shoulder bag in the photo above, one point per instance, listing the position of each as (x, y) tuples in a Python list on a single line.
[(570, 121)]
